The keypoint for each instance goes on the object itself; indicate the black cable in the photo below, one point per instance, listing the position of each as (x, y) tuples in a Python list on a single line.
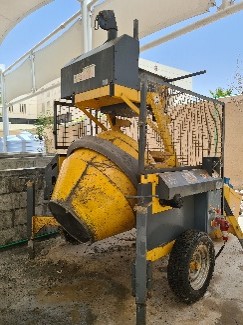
[(220, 251)]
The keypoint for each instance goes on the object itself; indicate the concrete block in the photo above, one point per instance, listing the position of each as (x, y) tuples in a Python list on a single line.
[(17, 183), (20, 217), (22, 200), (13, 200), (16, 180), (4, 184), (20, 232), (39, 211), (7, 236), (6, 202), (39, 197), (21, 161), (6, 219), (46, 210), (39, 182), (13, 234)]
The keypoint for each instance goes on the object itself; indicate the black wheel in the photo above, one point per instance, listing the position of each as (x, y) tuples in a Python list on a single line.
[(191, 265)]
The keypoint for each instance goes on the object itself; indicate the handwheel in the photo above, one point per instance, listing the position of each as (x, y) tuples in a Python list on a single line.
[(191, 265)]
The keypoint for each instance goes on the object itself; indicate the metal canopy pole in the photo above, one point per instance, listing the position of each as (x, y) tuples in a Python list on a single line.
[(32, 58), (86, 8), (4, 113), (86, 21), (224, 11)]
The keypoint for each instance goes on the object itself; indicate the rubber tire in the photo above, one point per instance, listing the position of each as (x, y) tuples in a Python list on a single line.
[(179, 265)]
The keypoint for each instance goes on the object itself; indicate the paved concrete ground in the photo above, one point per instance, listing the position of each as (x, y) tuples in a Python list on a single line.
[(88, 285)]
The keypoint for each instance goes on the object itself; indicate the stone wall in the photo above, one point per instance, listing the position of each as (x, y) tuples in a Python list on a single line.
[(14, 161), (15, 172)]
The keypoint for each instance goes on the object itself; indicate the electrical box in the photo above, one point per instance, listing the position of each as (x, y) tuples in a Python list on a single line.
[(114, 62)]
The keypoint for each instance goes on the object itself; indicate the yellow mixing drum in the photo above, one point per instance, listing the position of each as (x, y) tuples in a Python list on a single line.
[(90, 197)]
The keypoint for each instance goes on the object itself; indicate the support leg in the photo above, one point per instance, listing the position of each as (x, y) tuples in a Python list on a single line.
[(141, 314), (141, 265)]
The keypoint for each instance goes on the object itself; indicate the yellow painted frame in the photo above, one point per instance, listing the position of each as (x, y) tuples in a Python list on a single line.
[(159, 252)]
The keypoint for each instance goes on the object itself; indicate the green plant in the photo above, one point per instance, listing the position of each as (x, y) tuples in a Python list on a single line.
[(42, 122), (221, 92)]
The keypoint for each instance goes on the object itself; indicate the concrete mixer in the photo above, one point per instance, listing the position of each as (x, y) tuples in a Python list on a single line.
[(149, 155)]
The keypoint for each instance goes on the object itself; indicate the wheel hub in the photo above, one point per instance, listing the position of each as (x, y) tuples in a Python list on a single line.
[(199, 266)]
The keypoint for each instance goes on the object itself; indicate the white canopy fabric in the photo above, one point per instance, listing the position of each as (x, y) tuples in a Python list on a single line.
[(13, 11), (152, 15), (48, 62)]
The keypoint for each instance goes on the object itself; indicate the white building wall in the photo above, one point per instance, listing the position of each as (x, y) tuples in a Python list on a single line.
[(27, 109), (167, 72), (46, 98)]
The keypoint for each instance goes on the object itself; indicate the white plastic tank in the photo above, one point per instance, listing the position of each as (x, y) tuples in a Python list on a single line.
[(14, 144), (31, 142), (27, 141)]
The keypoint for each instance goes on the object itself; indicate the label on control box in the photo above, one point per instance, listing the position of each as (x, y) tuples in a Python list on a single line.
[(87, 73)]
